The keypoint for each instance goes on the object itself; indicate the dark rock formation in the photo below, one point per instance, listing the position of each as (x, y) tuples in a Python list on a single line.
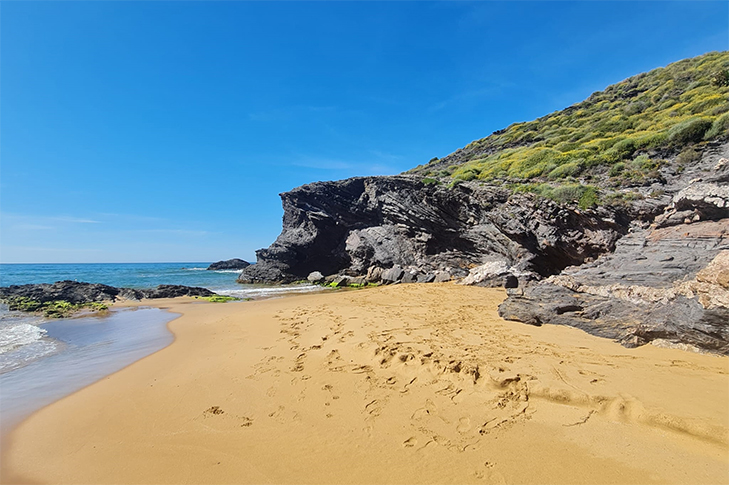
[(234, 264), (173, 291), (78, 292), (70, 291), (355, 225)]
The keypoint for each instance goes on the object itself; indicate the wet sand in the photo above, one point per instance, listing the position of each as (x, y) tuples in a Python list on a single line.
[(399, 384)]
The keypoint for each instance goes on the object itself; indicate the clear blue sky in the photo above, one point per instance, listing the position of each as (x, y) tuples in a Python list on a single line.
[(163, 131)]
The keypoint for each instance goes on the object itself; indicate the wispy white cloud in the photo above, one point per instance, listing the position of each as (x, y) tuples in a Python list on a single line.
[(74, 220)]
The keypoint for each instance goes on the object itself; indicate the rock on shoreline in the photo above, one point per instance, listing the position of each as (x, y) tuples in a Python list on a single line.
[(234, 264), (78, 294)]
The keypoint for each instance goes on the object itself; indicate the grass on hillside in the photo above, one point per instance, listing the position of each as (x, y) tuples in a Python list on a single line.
[(620, 133)]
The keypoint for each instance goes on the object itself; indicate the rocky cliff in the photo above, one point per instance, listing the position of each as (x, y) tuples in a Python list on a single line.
[(364, 225), (630, 270), (611, 215)]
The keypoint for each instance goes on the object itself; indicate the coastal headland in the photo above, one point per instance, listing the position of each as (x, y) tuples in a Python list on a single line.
[(393, 384)]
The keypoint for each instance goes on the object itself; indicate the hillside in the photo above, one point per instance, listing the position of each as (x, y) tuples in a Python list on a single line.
[(611, 215), (618, 137)]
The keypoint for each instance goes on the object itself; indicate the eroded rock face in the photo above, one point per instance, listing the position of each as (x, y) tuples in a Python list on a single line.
[(667, 281), (353, 225)]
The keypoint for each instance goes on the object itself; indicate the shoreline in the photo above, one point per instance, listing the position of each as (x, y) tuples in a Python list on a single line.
[(406, 384), (122, 355)]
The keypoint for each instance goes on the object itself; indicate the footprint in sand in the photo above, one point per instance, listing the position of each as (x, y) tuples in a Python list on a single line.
[(464, 425), (213, 410), (428, 410), (410, 442)]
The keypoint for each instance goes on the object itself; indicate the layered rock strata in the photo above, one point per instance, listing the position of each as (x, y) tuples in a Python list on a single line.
[(374, 225), (667, 282)]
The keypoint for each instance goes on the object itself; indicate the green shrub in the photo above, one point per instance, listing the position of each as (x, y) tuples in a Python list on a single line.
[(689, 131), (588, 199), (467, 174), (687, 156), (719, 128), (570, 169), (430, 181), (616, 169)]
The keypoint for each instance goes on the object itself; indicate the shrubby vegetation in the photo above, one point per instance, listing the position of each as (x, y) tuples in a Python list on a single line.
[(620, 135)]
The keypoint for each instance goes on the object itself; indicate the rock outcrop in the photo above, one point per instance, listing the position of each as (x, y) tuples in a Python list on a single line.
[(78, 292), (229, 264), (667, 282), (357, 225), (634, 271)]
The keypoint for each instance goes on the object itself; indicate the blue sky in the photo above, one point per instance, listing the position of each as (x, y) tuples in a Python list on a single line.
[(163, 131)]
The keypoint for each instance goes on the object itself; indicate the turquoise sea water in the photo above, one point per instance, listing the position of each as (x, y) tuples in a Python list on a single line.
[(132, 275), (43, 359)]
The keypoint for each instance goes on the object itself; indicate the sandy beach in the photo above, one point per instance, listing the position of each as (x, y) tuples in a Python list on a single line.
[(396, 384)]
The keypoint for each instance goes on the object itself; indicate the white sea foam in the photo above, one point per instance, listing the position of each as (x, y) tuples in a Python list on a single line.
[(16, 335), (214, 270), (25, 354), (267, 291)]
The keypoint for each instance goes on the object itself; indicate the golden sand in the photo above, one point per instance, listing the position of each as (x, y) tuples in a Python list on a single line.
[(399, 384)]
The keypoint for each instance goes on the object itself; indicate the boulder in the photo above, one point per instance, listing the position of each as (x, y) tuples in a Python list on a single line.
[(357, 281), (374, 273), (392, 275), (315, 277), (340, 281), (442, 276), (426, 278), (409, 276)]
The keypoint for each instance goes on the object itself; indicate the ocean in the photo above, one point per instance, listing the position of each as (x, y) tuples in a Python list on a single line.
[(44, 359)]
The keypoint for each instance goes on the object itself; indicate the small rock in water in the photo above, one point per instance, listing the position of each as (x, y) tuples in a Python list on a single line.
[(234, 263)]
